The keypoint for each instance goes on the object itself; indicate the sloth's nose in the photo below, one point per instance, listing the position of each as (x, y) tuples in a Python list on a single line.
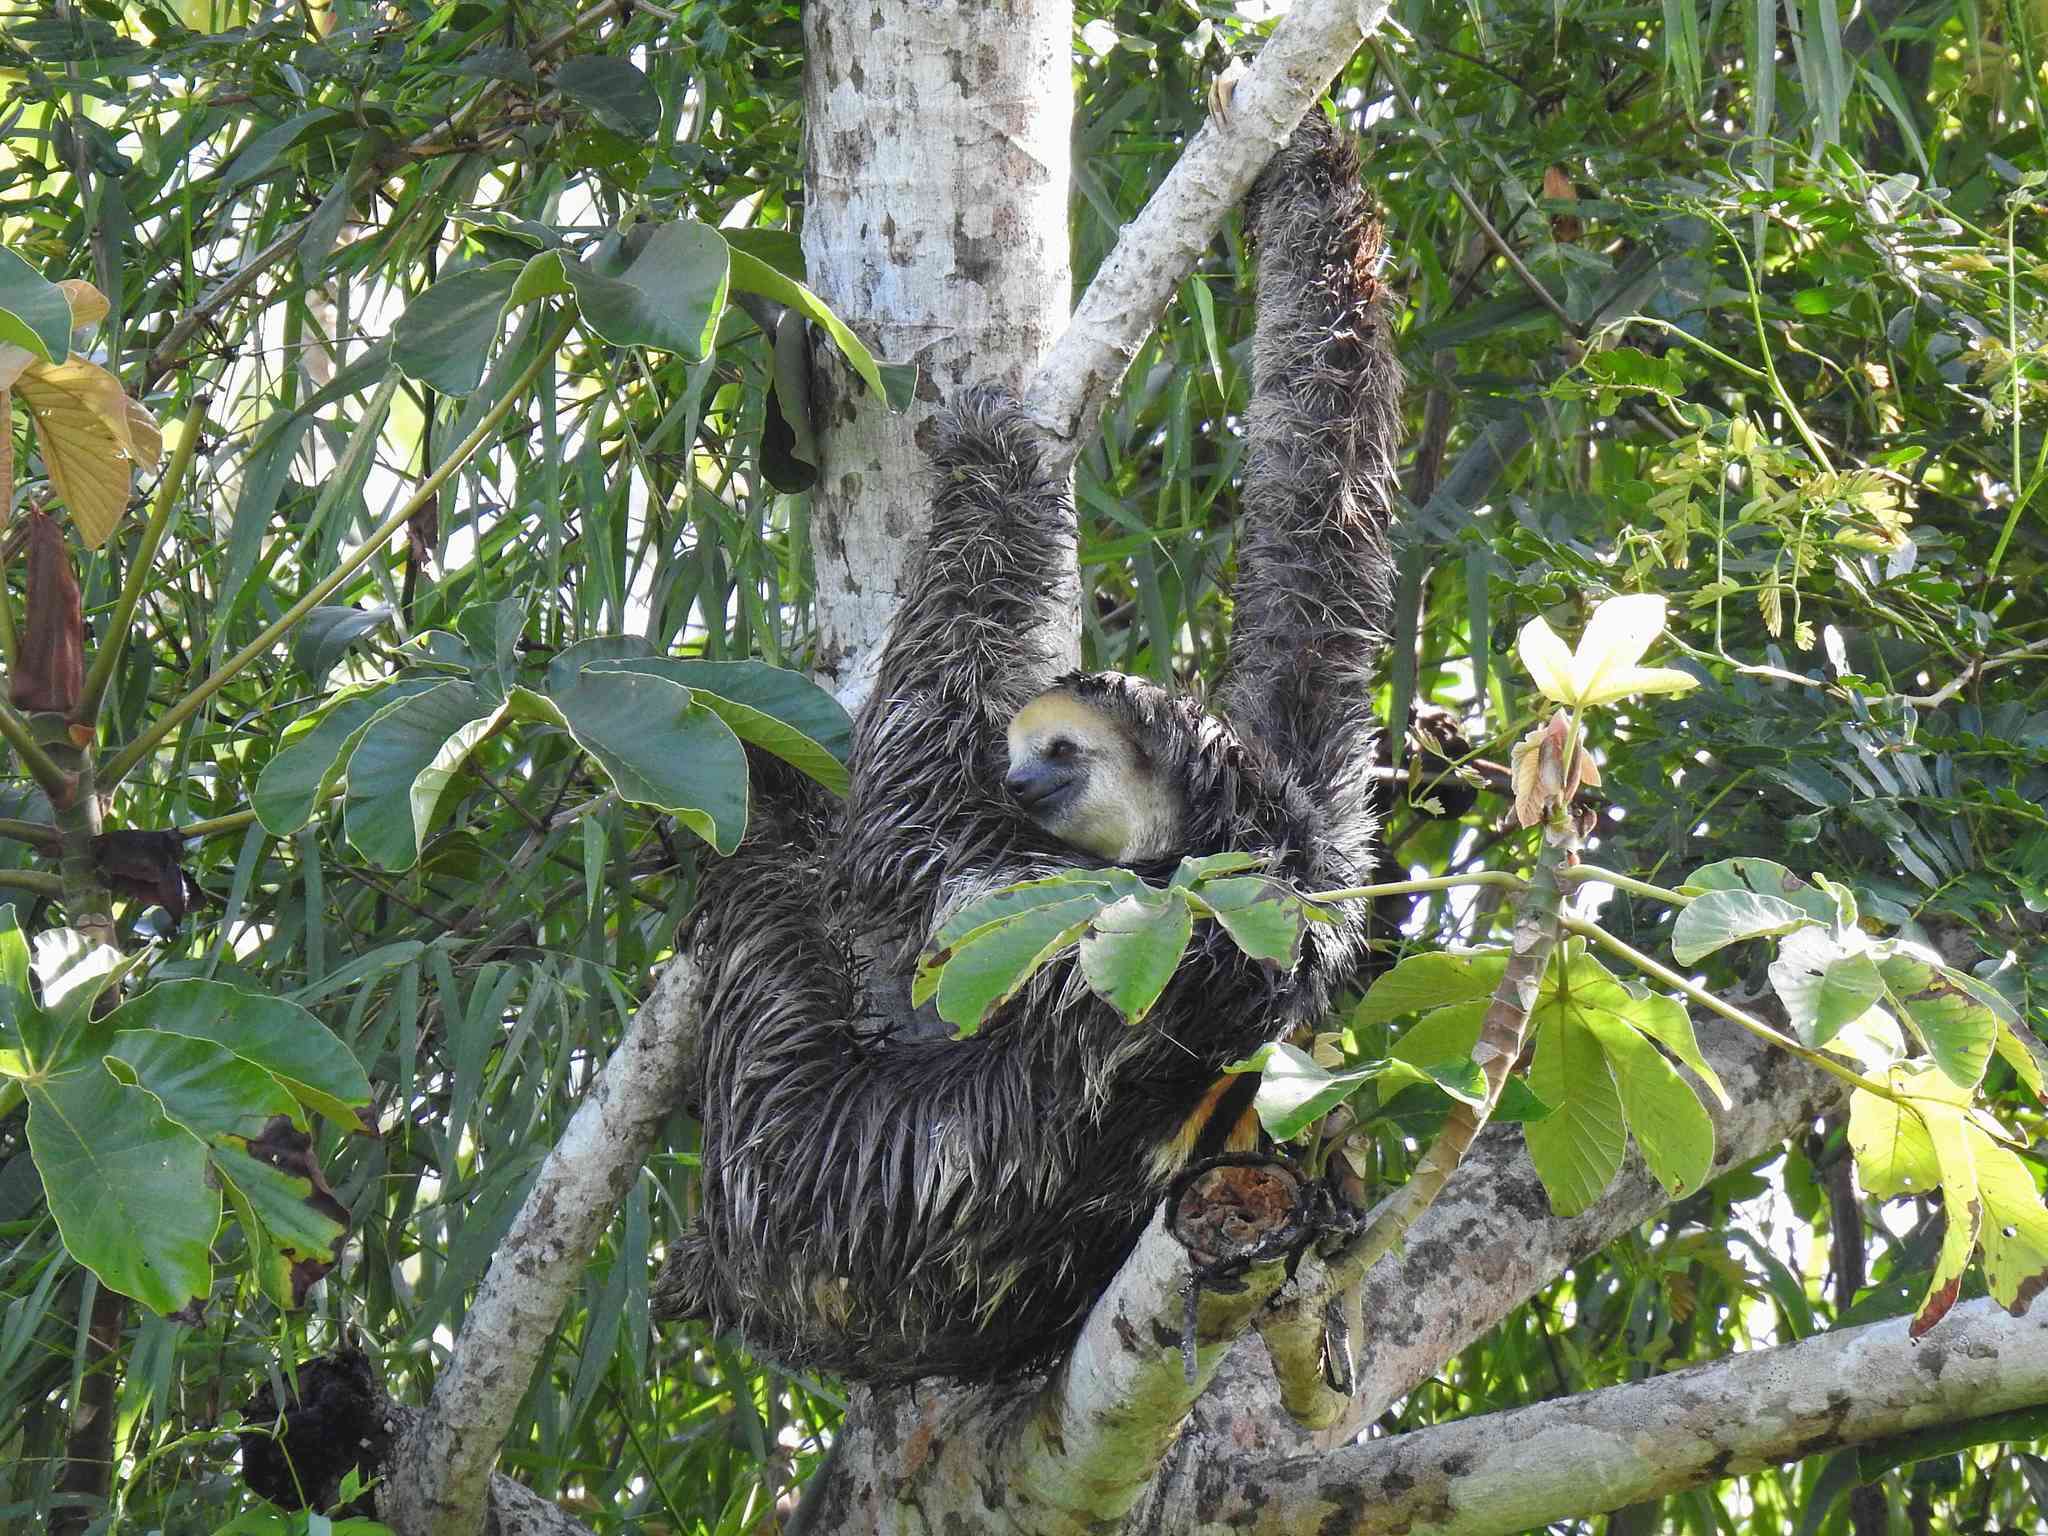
[(1028, 786)]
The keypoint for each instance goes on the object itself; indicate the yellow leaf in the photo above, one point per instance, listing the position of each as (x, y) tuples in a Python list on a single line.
[(13, 360), (93, 437), (2015, 1234), (88, 305)]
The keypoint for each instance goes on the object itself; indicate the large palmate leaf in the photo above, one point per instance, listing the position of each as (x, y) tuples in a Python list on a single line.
[(126, 1184), (659, 745), (403, 763)]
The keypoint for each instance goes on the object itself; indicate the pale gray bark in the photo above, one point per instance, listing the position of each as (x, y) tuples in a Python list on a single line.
[(935, 222), (1159, 248), (1584, 1455)]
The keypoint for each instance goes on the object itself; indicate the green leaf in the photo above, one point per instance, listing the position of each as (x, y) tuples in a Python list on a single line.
[(1720, 918), (612, 90), (1431, 980), (16, 1001), (1443, 1034), (989, 969), (1133, 947), (1264, 917), (1957, 1026), (491, 633), (294, 781), (658, 745), (783, 713), (34, 314), (992, 911), (1664, 1115), (407, 757), (1294, 1092), (127, 1187), (1589, 989), (1826, 984), (670, 297), (1765, 879), (202, 1085), (299, 1214), (324, 636), (445, 337), (1208, 866), (1577, 1147), (285, 1040), (752, 275)]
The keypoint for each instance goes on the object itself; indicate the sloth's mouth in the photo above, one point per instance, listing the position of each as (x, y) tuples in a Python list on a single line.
[(1038, 790)]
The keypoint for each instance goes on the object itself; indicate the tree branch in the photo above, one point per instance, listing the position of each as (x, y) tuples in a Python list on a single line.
[(1159, 248), (1578, 1456), (439, 1476), (1490, 1242)]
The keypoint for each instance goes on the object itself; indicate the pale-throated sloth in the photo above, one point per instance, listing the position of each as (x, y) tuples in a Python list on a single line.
[(880, 1200)]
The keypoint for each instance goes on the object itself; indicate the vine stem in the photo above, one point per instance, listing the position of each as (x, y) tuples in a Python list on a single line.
[(1658, 971), (1294, 1332), (124, 762), (113, 639)]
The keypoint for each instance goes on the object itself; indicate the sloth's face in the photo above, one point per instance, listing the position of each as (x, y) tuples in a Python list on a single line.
[(1079, 775)]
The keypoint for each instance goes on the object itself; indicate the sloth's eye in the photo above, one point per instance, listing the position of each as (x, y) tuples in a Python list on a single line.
[(1060, 749)]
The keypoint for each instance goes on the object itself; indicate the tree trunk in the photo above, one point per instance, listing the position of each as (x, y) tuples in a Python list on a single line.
[(935, 221)]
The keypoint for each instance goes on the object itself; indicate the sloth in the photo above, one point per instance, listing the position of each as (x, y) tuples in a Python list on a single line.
[(880, 1200)]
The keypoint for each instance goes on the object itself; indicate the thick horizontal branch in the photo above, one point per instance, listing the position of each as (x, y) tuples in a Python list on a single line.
[(1159, 248), (1580, 1456), (1490, 1241)]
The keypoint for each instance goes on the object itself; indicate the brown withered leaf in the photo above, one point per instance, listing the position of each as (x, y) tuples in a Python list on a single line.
[(148, 865), (49, 668), (1565, 228)]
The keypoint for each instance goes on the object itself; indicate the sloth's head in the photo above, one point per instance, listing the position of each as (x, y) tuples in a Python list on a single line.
[(1085, 776)]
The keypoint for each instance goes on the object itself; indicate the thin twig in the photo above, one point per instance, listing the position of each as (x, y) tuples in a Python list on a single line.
[(124, 762)]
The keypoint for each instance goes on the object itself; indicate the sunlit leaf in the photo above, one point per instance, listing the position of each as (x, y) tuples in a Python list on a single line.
[(93, 439)]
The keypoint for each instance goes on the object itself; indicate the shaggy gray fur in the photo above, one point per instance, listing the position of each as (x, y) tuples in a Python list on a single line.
[(883, 1202)]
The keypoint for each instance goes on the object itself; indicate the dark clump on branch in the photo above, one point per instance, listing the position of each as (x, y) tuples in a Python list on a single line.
[(884, 1202), (336, 1422)]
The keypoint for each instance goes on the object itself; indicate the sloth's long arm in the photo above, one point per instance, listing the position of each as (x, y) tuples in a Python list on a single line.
[(1313, 573), (971, 644)]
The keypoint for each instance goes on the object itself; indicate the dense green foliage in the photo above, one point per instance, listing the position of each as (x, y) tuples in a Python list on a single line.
[(1773, 343)]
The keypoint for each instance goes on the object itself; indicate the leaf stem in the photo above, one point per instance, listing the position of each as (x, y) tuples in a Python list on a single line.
[(1414, 887), (114, 637), (1657, 971), (124, 762), (37, 834), (1593, 874), (34, 881)]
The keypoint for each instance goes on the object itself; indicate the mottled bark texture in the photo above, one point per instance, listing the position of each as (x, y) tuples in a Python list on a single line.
[(1574, 1456), (935, 221)]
